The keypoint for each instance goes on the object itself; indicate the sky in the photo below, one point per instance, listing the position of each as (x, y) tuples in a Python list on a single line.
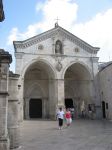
[(90, 20)]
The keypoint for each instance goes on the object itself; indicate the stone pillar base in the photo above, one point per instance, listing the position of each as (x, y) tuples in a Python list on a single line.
[(14, 137), (4, 144)]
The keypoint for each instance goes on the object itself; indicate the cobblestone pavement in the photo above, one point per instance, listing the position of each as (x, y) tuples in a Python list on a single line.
[(81, 135)]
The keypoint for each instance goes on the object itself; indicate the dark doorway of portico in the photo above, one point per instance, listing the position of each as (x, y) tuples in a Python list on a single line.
[(35, 108), (69, 103), (103, 109)]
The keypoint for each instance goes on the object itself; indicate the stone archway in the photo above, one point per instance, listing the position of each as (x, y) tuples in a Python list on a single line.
[(78, 87), (39, 86)]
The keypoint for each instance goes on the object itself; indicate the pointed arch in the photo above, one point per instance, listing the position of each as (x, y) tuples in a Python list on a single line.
[(44, 63), (85, 66)]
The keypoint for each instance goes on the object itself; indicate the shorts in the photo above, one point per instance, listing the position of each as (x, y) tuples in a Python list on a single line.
[(60, 122), (68, 120)]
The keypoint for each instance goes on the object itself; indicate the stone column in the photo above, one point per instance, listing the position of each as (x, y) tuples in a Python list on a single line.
[(13, 112), (51, 101), (26, 108), (43, 108), (60, 93), (47, 108), (5, 59), (13, 125), (56, 96)]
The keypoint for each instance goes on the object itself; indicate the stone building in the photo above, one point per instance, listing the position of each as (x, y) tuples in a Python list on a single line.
[(5, 60), (2, 16), (105, 84), (53, 69)]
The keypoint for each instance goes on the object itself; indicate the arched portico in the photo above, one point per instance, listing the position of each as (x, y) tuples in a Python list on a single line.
[(39, 90), (78, 87)]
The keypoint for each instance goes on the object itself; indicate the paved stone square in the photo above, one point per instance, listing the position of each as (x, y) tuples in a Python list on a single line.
[(81, 135)]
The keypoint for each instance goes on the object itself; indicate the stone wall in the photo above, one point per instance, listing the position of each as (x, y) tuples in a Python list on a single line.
[(5, 60), (105, 77), (13, 111)]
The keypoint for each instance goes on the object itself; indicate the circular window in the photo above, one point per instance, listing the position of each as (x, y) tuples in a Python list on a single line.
[(40, 47)]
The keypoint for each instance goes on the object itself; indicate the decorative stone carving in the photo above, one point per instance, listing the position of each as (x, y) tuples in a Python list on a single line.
[(76, 49), (40, 47), (58, 66), (58, 47), (5, 56), (52, 33), (3, 72), (58, 57)]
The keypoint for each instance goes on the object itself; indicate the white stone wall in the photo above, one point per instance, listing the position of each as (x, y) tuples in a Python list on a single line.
[(31, 53), (105, 77), (13, 113), (5, 60), (13, 88), (28, 54)]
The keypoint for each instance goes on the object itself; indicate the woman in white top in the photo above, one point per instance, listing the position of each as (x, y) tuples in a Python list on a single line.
[(60, 116)]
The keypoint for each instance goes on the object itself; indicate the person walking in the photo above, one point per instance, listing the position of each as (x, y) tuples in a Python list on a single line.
[(68, 117), (60, 117), (72, 112)]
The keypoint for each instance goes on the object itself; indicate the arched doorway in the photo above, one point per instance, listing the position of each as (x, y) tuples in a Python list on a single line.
[(38, 91), (35, 108), (78, 88)]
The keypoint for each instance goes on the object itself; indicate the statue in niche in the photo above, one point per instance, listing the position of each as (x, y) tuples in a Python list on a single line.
[(58, 47)]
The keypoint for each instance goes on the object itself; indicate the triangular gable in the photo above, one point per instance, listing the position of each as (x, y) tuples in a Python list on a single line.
[(51, 33)]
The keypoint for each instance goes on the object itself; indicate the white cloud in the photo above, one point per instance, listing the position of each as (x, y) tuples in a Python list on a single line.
[(96, 32), (39, 6), (12, 36), (16, 35), (66, 10)]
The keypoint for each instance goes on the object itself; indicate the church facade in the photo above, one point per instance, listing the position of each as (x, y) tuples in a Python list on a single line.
[(53, 69), (57, 69)]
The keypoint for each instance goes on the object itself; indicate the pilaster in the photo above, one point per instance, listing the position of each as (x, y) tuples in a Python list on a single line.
[(13, 124), (60, 93)]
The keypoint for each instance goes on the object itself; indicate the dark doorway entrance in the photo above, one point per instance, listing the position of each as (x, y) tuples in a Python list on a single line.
[(35, 108), (103, 109), (69, 103)]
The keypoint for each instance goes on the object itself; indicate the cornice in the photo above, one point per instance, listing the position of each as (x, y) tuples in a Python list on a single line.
[(11, 74), (4, 93), (5, 56), (51, 34), (13, 100)]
